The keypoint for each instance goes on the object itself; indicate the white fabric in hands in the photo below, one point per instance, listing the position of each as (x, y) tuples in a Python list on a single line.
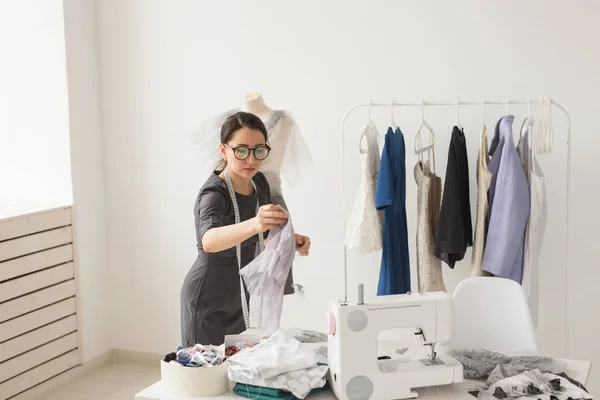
[(364, 228), (280, 362), (266, 276)]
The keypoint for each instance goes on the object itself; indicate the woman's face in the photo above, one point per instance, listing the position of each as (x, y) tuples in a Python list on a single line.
[(242, 140)]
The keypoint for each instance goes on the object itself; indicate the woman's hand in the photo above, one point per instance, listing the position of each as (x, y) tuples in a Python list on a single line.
[(269, 217), (302, 244)]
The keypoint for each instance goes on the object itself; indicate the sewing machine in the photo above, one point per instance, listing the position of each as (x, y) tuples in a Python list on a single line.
[(356, 370)]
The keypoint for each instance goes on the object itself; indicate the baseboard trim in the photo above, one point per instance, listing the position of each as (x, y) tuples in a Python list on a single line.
[(67, 377), (129, 356)]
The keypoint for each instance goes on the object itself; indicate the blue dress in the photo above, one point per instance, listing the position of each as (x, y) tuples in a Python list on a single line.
[(390, 196)]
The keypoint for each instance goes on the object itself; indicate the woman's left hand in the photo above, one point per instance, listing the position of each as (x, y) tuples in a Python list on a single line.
[(302, 244)]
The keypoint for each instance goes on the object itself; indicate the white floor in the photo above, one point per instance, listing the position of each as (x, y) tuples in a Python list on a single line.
[(116, 381)]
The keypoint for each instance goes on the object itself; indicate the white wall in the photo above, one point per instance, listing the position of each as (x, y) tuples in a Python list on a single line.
[(50, 135), (88, 178), (168, 65), (35, 166)]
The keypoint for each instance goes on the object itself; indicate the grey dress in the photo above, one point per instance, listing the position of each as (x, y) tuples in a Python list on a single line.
[(210, 296)]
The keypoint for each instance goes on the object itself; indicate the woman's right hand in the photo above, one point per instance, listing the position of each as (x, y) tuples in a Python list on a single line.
[(269, 217)]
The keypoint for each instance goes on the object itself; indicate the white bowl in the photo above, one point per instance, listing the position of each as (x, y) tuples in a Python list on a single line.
[(194, 381)]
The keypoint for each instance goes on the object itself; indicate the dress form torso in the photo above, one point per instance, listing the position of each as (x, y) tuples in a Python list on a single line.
[(254, 103), (289, 156), (280, 128)]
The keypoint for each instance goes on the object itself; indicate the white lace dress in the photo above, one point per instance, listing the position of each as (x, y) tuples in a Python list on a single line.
[(364, 228)]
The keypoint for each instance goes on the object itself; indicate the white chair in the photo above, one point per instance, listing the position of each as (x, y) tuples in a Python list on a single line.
[(492, 314)]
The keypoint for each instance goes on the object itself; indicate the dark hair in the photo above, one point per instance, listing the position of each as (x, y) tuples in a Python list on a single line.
[(240, 120), (234, 123)]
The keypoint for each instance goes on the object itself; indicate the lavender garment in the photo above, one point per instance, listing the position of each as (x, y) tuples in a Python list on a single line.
[(509, 206), (266, 276)]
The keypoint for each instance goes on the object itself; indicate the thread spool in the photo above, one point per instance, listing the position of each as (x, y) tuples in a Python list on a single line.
[(360, 295)]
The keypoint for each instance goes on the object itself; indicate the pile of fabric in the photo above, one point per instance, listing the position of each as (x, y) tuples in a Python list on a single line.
[(234, 349), (204, 355), (281, 367), (479, 363), (518, 377), (533, 384), (196, 356)]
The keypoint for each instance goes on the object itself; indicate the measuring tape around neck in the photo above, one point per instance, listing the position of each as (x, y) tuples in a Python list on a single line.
[(238, 247)]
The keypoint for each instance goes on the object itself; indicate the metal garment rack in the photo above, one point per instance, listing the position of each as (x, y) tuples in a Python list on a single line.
[(393, 104)]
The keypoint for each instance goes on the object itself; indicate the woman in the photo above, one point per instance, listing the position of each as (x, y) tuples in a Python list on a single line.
[(211, 302)]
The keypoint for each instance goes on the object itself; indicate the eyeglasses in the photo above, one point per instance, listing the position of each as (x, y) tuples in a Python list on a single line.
[(243, 152)]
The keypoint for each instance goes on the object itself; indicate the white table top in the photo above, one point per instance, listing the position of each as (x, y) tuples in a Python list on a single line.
[(578, 370), (454, 392)]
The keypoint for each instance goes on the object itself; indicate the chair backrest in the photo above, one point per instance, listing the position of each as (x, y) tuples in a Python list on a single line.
[(492, 314)]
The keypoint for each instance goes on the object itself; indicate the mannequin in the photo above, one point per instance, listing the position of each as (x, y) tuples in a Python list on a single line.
[(289, 155), (255, 104)]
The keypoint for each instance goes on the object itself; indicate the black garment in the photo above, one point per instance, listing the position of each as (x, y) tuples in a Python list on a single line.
[(455, 231), (210, 296)]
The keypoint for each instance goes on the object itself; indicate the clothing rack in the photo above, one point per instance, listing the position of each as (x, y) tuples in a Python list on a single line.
[(393, 104)]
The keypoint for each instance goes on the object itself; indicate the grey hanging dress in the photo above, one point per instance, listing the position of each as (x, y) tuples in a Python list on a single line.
[(211, 303), (429, 267)]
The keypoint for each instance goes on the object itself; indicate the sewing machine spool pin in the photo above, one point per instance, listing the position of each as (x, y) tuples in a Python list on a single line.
[(360, 296)]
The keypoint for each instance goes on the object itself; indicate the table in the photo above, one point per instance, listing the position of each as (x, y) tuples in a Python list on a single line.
[(578, 370)]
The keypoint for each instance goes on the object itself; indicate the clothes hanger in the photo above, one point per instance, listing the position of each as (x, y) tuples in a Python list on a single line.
[(393, 124), (424, 125), (360, 140), (418, 147), (506, 113), (482, 113), (527, 119), (483, 127), (457, 114), (531, 139)]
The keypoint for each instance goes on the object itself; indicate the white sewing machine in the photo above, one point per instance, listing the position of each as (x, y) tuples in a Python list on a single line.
[(356, 372)]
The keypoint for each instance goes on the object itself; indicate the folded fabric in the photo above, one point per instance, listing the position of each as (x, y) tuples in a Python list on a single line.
[(300, 383), (277, 355), (479, 363), (534, 385), (261, 393)]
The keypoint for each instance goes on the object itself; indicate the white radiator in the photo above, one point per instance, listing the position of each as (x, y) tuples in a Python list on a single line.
[(39, 337)]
